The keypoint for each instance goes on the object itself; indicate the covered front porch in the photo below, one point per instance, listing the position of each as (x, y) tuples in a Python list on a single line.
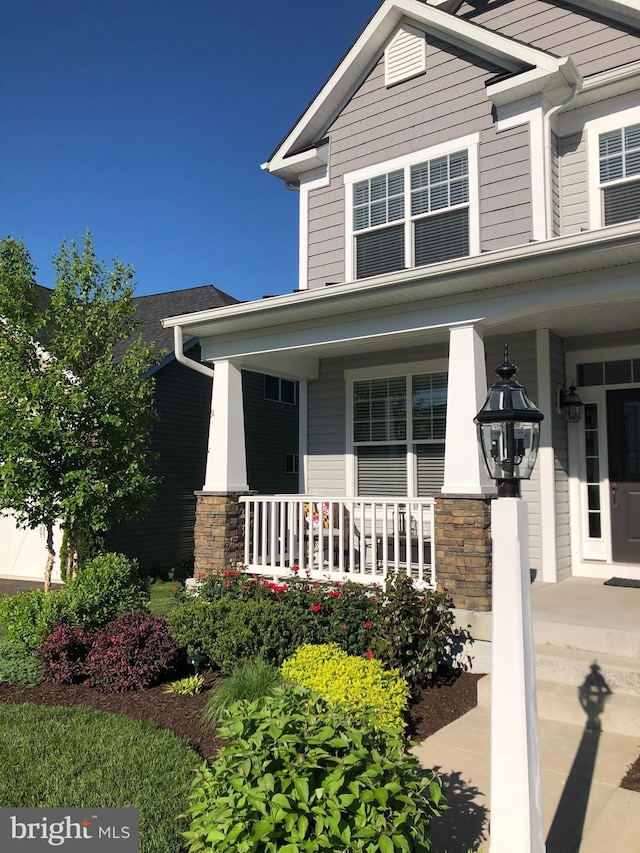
[(391, 373)]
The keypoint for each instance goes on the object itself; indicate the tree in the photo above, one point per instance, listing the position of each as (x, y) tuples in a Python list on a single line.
[(76, 410)]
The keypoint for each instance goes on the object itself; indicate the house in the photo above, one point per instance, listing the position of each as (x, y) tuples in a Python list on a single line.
[(163, 539), (469, 175)]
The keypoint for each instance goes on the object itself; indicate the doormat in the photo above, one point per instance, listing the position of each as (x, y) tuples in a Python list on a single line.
[(622, 582)]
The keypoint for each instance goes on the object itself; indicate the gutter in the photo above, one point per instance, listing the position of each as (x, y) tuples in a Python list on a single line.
[(192, 364)]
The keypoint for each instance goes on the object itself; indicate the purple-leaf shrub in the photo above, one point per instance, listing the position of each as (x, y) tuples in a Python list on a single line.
[(132, 651), (62, 655)]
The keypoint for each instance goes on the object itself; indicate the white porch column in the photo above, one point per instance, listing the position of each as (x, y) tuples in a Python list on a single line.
[(464, 470), (546, 459), (226, 455)]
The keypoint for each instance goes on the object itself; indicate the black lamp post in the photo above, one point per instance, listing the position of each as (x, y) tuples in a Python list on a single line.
[(509, 431)]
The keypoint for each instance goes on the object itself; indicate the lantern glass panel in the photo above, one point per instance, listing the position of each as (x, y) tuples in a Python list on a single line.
[(509, 448)]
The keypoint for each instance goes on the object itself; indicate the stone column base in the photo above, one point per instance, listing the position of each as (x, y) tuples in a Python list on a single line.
[(463, 549), (219, 530)]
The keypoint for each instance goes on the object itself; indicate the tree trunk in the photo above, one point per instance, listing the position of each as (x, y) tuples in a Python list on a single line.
[(51, 554)]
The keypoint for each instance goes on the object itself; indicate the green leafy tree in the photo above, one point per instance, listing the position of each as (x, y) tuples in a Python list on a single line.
[(75, 409)]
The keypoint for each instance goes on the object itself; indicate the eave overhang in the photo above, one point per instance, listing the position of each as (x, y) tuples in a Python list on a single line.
[(606, 248)]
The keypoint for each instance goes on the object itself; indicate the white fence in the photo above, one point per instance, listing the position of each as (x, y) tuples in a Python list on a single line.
[(359, 539)]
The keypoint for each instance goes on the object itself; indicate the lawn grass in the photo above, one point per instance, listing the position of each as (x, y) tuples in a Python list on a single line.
[(162, 597), (75, 757)]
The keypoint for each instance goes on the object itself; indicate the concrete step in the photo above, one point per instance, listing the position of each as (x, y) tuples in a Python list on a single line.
[(577, 668), (565, 635), (561, 702), (588, 638)]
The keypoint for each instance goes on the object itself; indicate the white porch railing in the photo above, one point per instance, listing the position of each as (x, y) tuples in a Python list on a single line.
[(359, 539)]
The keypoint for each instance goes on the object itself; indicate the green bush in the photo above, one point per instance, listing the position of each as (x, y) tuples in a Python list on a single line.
[(254, 629), (17, 664), (105, 587), (29, 616), (413, 630), (354, 683), (227, 632), (194, 624), (252, 679), (300, 775)]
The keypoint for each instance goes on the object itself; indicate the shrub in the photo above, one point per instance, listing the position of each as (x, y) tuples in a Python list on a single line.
[(105, 586), (189, 686), (249, 680), (413, 630), (63, 654), (132, 651), (254, 629), (354, 683), (300, 775), (17, 664), (30, 616), (194, 624)]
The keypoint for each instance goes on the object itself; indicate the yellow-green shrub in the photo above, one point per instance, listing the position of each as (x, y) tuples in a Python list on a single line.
[(351, 682)]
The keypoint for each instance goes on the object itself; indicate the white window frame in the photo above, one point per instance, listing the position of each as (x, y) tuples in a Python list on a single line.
[(469, 143), (407, 370), (593, 130)]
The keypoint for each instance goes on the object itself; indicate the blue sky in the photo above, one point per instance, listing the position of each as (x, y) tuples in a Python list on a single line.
[(146, 121)]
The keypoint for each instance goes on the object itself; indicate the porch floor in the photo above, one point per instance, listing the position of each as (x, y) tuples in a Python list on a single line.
[(586, 601)]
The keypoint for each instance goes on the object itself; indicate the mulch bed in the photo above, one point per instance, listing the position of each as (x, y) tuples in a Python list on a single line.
[(432, 709)]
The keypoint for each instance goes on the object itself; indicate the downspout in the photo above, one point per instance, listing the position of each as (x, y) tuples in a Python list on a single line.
[(547, 158), (178, 347)]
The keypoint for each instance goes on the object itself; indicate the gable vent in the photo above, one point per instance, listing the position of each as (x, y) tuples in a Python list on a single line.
[(405, 56)]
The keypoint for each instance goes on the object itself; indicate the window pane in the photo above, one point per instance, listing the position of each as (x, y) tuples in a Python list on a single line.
[(458, 164), (361, 193), (419, 176), (395, 183), (610, 143), (591, 374), (429, 401), (430, 462), (622, 203), (439, 238), (595, 528), (380, 252), (288, 391), (382, 470), (396, 208), (439, 170), (616, 372), (382, 416), (611, 169), (593, 470), (271, 388), (420, 202), (460, 192), (378, 213), (360, 218), (439, 197), (378, 187), (632, 136)]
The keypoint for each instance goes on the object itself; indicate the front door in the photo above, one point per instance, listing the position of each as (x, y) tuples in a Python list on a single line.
[(623, 428)]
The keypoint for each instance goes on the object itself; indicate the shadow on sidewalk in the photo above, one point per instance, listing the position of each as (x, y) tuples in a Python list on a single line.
[(463, 826), (566, 830)]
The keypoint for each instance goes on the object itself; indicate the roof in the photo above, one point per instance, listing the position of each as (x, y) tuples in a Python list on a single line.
[(151, 309)]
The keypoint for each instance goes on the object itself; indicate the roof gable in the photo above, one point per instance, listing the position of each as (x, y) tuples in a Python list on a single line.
[(300, 150)]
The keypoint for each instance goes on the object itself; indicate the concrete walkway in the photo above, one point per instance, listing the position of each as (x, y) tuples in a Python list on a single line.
[(583, 808)]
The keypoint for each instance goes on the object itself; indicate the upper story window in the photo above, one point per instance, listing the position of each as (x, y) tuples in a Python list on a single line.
[(280, 390), (420, 211), (619, 161)]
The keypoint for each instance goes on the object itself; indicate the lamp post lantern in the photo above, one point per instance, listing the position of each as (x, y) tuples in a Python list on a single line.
[(508, 433)]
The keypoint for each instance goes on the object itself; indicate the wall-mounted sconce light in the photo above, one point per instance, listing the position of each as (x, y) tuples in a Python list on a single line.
[(568, 404)]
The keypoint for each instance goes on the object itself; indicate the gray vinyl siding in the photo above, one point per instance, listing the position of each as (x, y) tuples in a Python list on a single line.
[(505, 188), (555, 184), (326, 467), (561, 463), (522, 348), (594, 43), (574, 200), (163, 539), (379, 124), (271, 431)]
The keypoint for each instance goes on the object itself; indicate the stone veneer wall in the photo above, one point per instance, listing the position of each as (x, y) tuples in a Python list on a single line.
[(219, 530), (463, 549)]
